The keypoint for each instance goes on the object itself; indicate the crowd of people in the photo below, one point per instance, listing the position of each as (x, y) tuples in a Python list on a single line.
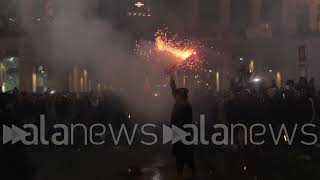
[(294, 103), (292, 106), (247, 104), (67, 108)]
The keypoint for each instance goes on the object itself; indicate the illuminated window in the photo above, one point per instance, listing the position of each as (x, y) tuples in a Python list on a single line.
[(139, 4), (139, 8), (41, 79), (10, 74)]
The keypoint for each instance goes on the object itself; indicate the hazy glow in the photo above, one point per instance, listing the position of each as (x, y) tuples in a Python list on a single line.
[(139, 4), (174, 48)]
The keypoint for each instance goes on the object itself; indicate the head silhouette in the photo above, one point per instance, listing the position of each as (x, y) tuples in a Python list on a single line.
[(181, 94)]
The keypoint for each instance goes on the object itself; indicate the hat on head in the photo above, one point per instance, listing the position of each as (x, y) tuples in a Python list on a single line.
[(183, 92)]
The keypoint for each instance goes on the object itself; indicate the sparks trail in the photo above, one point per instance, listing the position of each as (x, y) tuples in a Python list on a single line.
[(170, 50), (181, 51)]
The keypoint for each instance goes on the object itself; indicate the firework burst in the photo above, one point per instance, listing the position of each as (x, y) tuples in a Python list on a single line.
[(170, 50), (181, 51)]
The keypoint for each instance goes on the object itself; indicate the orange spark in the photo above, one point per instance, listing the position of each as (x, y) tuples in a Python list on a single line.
[(172, 47)]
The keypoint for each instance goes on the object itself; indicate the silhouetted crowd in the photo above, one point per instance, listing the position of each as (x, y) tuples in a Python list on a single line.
[(66, 108), (295, 103), (293, 106)]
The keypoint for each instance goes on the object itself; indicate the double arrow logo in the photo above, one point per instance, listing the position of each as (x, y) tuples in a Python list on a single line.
[(16, 134), (173, 134), (13, 134)]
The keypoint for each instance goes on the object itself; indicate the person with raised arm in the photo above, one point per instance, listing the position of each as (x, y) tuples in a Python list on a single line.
[(182, 115)]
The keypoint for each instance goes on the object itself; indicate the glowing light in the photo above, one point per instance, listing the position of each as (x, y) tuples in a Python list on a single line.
[(3, 88), (172, 47), (170, 50), (139, 4), (217, 81), (251, 66), (129, 116), (285, 138), (256, 80), (278, 79)]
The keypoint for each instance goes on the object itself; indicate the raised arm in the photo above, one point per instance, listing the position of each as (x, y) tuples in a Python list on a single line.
[(173, 85)]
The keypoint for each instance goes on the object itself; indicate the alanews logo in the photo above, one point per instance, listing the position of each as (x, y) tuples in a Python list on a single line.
[(189, 134)]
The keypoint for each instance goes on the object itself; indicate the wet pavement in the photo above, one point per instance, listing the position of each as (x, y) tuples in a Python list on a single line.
[(156, 163)]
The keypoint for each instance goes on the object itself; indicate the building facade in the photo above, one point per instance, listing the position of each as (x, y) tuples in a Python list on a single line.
[(268, 32), (22, 65), (265, 33)]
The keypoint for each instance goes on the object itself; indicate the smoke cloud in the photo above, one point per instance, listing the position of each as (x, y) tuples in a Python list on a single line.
[(78, 36)]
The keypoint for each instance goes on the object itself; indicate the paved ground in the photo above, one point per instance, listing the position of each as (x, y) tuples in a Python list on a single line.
[(156, 163)]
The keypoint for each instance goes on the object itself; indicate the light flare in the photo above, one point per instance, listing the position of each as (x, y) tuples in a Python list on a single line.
[(178, 49)]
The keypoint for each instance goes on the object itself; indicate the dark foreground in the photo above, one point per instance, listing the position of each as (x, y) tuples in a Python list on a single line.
[(156, 163)]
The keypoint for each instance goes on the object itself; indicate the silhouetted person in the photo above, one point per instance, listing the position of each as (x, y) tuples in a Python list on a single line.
[(311, 87), (15, 91), (290, 85), (302, 84), (273, 84), (181, 115)]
